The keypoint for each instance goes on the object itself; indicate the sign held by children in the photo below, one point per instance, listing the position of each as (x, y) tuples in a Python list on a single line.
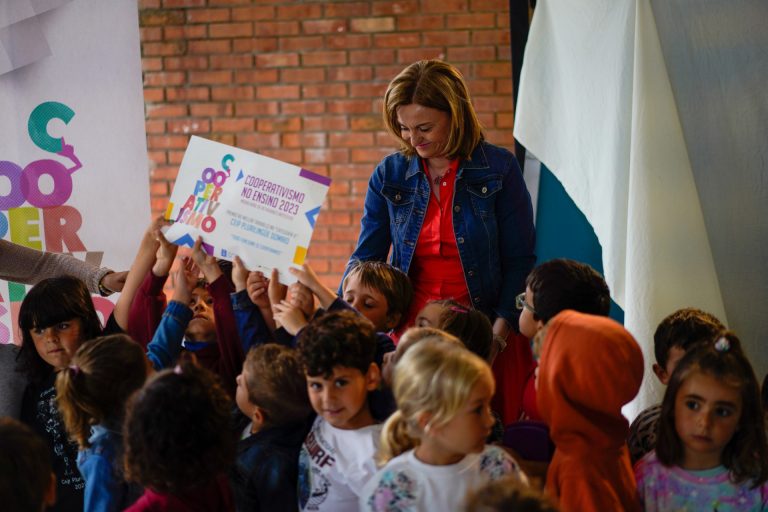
[(245, 204)]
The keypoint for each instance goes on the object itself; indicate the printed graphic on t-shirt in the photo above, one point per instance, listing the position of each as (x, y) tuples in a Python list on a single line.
[(396, 491), (48, 416), (313, 485)]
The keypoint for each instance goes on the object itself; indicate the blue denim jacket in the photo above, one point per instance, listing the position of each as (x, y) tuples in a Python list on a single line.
[(492, 221), (105, 487)]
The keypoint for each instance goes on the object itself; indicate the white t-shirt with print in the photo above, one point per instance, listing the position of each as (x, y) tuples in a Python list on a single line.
[(406, 483), (334, 465)]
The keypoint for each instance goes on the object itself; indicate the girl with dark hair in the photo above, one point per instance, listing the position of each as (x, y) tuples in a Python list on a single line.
[(55, 318), (711, 448), (179, 443)]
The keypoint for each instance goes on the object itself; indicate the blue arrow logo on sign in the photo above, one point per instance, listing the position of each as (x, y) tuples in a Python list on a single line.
[(312, 216)]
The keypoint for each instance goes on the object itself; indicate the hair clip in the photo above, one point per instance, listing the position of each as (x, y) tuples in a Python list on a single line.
[(722, 344), (459, 309), (74, 370), (177, 369)]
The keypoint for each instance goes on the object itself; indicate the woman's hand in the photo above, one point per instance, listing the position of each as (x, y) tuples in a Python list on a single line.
[(113, 281)]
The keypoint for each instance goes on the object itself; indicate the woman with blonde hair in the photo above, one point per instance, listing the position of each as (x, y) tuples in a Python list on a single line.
[(433, 446)]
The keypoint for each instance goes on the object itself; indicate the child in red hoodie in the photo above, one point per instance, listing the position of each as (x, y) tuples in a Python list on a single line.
[(590, 367)]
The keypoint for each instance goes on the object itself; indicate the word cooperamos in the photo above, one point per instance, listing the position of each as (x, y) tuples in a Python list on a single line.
[(272, 194), (198, 209)]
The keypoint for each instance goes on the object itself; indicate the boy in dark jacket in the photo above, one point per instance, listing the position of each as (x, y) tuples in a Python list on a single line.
[(272, 393)]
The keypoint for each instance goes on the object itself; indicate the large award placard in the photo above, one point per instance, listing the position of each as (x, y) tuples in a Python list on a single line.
[(245, 204)]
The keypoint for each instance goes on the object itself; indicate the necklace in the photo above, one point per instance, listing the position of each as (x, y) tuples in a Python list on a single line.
[(436, 180)]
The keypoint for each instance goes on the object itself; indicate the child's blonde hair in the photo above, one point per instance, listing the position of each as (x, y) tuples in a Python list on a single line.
[(95, 387), (433, 377)]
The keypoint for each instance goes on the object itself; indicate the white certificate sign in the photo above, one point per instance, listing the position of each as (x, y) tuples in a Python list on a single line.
[(245, 204)]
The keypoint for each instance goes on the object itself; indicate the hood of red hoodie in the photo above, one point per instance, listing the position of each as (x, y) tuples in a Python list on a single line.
[(590, 367)]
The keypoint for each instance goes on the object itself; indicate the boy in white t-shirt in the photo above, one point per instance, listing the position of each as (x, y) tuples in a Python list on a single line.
[(337, 457)]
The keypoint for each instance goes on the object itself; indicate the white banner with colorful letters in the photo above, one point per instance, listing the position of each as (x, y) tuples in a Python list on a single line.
[(73, 161)]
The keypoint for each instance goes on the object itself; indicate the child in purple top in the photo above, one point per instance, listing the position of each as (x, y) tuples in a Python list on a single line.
[(711, 449)]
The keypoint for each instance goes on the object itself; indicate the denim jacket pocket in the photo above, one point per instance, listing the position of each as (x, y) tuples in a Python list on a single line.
[(400, 202), (483, 195)]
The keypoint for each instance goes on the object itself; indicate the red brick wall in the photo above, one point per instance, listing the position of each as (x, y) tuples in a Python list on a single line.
[(302, 81)]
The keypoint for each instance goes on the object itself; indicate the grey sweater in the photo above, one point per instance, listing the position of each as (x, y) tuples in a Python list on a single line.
[(12, 383), (29, 266)]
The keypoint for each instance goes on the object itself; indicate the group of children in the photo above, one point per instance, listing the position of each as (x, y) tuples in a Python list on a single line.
[(240, 394)]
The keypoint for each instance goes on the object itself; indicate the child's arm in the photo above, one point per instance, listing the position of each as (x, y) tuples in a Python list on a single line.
[(257, 288), (306, 276), (275, 291), (142, 263), (101, 484), (164, 349), (290, 317), (251, 323), (231, 355), (150, 302)]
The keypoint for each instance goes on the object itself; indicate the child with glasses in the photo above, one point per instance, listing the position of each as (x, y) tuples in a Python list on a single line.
[(550, 288)]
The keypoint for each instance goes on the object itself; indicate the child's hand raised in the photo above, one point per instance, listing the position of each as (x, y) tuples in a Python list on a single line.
[(290, 317), (184, 280), (302, 298), (258, 289), (205, 262), (306, 276), (166, 253), (239, 274), (277, 291)]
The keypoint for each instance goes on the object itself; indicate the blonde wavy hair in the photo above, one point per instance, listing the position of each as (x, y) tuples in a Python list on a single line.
[(435, 84), (433, 377)]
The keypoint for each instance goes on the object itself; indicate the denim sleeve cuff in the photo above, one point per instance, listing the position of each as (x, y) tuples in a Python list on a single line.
[(241, 301), (178, 311)]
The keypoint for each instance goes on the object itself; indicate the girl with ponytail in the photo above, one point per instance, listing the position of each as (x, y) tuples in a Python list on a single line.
[(436, 438), (91, 394)]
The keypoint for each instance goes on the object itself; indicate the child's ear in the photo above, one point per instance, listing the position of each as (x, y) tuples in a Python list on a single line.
[(423, 420), (49, 498), (257, 416), (372, 377), (661, 373)]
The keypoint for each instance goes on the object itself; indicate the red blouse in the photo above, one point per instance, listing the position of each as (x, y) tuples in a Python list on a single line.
[(436, 271)]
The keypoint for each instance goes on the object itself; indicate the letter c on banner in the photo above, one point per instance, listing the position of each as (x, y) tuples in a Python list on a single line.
[(226, 161), (38, 124)]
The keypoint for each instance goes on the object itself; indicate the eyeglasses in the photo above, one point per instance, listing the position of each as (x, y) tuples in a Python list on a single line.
[(520, 303)]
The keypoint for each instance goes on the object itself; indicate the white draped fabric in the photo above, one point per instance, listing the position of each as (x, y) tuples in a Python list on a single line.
[(603, 106)]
